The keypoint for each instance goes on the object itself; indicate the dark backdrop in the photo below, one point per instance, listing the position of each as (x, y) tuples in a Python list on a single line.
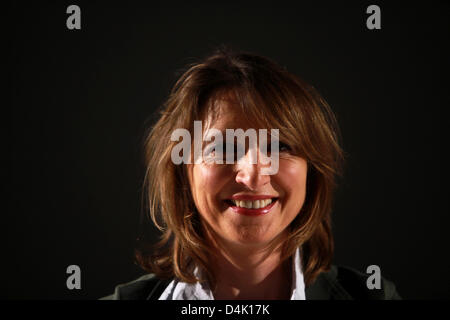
[(81, 100)]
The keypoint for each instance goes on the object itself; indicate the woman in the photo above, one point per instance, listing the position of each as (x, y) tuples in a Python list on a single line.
[(234, 229)]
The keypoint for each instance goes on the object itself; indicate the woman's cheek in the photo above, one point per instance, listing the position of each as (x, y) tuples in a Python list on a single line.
[(289, 168), (208, 182), (211, 177), (292, 167)]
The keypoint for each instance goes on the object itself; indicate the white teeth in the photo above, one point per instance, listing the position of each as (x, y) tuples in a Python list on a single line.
[(252, 204)]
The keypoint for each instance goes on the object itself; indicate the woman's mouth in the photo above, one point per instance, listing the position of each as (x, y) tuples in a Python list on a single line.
[(252, 207)]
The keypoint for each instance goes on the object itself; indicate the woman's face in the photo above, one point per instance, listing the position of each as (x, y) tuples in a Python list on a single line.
[(214, 186)]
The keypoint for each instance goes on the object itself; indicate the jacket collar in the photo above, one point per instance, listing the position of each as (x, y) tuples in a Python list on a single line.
[(327, 287)]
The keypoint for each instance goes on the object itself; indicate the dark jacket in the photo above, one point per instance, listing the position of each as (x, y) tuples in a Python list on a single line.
[(340, 283)]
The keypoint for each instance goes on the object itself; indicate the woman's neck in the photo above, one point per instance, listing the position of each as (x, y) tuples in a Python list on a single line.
[(252, 274)]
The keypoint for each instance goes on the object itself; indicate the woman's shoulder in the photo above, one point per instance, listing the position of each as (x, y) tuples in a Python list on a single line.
[(345, 283), (145, 287), (339, 283)]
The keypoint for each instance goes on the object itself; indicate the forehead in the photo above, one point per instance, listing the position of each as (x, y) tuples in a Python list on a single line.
[(225, 112)]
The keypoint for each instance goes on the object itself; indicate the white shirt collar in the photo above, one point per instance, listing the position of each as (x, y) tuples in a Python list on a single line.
[(178, 290)]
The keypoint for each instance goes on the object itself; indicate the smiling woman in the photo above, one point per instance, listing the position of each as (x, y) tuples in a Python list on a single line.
[(230, 230)]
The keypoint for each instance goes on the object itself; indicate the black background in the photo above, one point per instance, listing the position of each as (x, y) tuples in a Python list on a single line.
[(82, 99)]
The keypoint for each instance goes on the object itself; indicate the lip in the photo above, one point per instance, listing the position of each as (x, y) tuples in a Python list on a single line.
[(253, 212), (252, 197)]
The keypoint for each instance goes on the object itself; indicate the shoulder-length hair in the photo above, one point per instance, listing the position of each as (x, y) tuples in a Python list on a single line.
[(272, 97)]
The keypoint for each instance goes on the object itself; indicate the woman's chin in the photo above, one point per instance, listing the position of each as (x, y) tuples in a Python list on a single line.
[(251, 236), (249, 230)]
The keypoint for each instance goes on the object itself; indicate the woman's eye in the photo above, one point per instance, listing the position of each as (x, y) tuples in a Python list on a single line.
[(284, 147), (223, 152), (210, 150)]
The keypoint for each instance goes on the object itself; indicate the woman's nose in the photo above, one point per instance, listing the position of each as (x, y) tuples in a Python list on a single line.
[(251, 173)]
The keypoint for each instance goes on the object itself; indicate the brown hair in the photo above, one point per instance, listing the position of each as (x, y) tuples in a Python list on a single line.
[(272, 97)]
